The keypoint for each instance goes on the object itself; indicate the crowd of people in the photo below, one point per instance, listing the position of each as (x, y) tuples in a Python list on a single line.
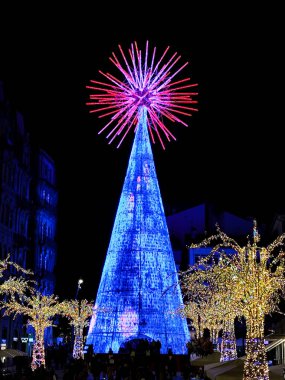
[(137, 360)]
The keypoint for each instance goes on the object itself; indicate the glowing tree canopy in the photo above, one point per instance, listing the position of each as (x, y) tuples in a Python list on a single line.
[(14, 285), (79, 313), (40, 310), (253, 280), (139, 266), (207, 289)]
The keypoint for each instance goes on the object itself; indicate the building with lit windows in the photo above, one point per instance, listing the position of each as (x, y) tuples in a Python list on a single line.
[(45, 222), (194, 224), (28, 211)]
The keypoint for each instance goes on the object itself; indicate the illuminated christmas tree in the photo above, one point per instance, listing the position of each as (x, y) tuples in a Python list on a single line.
[(136, 286)]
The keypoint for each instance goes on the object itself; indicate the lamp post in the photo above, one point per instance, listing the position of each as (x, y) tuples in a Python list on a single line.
[(76, 329), (78, 311), (79, 283)]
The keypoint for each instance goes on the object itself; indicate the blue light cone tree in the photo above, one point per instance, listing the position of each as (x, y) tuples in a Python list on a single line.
[(137, 295)]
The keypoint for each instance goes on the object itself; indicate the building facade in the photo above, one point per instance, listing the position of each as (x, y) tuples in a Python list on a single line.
[(45, 222), (194, 224), (28, 204)]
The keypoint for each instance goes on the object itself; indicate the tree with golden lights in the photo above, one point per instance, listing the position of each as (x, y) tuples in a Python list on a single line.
[(254, 281), (13, 285), (40, 310), (207, 300), (78, 313), (224, 307), (259, 284)]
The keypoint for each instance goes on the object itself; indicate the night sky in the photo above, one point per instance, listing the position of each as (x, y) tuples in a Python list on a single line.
[(231, 154)]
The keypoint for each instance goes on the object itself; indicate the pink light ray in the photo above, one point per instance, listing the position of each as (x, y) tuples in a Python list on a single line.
[(133, 59), (163, 55), (187, 86), (164, 70), (162, 126), (127, 64), (172, 92), (179, 97), (152, 61), (145, 59), (157, 131), (116, 116), (150, 131), (180, 81), (113, 79), (127, 131), (130, 78), (119, 125), (138, 52), (103, 84), (109, 113), (153, 85), (106, 103), (127, 76), (165, 84), (129, 115), (100, 109), (170, 116), (175, 106), (173, 75)]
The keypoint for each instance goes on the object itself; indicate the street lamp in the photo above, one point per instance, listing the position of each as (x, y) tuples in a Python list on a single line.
[(76, 330), (79, 283)]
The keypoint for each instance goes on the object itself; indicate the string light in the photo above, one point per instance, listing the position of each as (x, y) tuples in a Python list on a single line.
[(4, 264), (252, 279), (40, 310), (14, 285), (206, 299), (78, 312)]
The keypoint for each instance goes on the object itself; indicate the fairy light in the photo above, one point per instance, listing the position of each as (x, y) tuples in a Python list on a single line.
[(78, 313), (228, 345), (212, 314), (206, 287), (4, 264), (14, 285), (40, 310), (253, 282)]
